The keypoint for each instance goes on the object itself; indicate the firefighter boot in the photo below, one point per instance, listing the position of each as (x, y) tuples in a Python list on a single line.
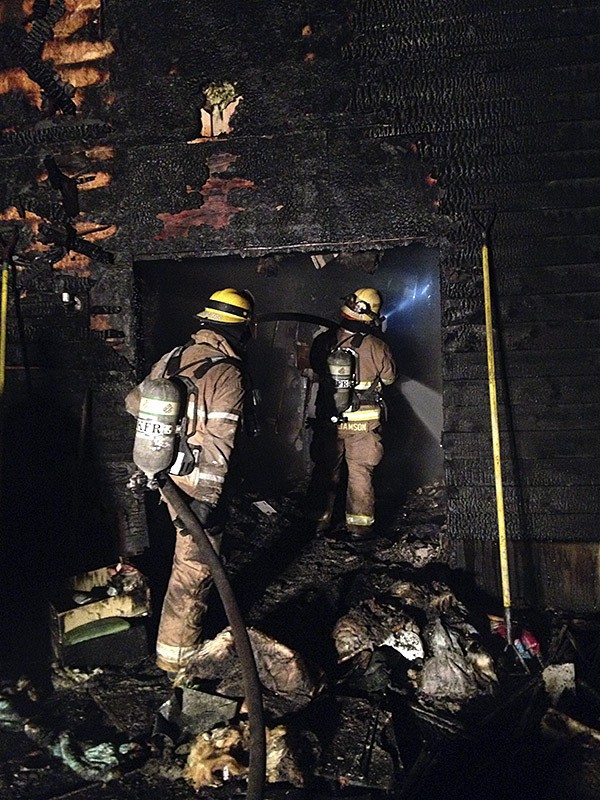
[(361, 533)]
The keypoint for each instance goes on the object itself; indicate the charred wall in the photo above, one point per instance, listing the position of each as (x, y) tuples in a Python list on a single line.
[(280, 126)]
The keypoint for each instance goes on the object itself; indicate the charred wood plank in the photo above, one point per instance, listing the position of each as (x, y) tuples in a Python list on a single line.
[(551, 574), (542, 281), (557, 472), (523, 336), (512, 224), (545, 390), (471, 500), (463, 75), (403, 39), (530, 417), (531, 186), (526, 252), (532, 444), (482, 524), (522, 364), (525, 308), (557, 141)]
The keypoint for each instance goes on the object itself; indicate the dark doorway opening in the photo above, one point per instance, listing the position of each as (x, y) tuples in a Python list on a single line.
[(170, 293)]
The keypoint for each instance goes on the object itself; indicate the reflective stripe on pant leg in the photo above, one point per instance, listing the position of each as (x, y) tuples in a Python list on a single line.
[(363, 452), (171, 658), (360, 520), (184, 605)]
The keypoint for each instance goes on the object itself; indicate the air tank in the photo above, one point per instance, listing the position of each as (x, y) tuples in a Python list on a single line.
[(156, 429), (341, 368)]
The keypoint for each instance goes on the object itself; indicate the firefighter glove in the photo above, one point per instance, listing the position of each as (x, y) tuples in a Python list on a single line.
[(138, 484), (201, 510)]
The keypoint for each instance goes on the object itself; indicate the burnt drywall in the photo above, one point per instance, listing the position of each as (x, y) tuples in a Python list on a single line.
[(362, 123)]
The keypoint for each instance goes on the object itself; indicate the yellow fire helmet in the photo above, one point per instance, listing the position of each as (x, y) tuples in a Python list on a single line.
[(362, 305), (229, 306)]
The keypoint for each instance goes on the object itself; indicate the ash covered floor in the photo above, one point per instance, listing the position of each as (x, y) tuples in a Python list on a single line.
[(382, 674)]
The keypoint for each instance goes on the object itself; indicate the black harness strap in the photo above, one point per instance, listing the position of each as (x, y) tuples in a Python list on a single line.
[(186, 460)]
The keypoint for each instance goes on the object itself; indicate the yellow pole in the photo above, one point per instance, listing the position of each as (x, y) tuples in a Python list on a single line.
[(489, 337), (3, 320), (7, 254)]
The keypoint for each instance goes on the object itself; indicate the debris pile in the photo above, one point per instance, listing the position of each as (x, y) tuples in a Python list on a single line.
[(418, 636), (381, 671), (399, 632)]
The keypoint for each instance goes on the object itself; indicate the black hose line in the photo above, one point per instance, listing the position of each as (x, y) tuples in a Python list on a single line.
[(295, 316), (251, 683)]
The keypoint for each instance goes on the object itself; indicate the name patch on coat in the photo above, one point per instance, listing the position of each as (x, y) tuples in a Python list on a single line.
[(352, 426)]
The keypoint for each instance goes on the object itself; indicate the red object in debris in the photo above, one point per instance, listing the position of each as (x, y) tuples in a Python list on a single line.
[(500, 629), (526, 641), (530, 642)]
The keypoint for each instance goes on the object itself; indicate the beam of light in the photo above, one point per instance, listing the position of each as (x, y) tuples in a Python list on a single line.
[(410, 298), (425, 402)]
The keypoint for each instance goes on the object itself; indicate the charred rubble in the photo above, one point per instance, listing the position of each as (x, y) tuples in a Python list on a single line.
[(382, 669)]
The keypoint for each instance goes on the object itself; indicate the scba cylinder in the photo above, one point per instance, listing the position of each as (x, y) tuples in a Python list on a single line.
[(341, 368), (156, 429)]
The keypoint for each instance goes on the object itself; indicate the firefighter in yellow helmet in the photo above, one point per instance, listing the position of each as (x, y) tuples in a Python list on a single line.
[(352, 364), (209, 368)]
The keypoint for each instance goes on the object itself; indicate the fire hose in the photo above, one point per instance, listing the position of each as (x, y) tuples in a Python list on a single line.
[(295, 316), (250, 679)]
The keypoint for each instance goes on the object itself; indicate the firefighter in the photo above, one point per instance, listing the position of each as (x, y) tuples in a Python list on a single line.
[(210, 368), (351, 363)]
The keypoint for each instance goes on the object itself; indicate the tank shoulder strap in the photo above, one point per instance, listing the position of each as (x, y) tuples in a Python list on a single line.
[(354, 340), (205, 364), (173, 368), (329, 341), (173, 362)]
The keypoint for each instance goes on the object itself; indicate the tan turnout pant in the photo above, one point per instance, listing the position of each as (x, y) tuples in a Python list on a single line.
[(184, 606), (361, 451)]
